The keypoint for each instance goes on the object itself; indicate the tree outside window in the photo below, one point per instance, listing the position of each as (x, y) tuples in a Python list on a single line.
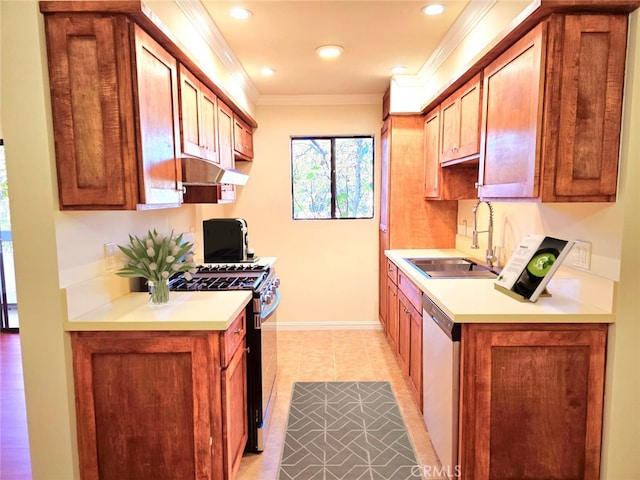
[(332, 177)]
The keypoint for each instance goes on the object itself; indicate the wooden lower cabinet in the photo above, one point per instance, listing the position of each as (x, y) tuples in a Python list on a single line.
[(404, 327), (531, 401), (161, 405)]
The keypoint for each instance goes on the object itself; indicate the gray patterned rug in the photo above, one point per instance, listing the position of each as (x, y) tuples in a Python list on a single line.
[(346, 431)]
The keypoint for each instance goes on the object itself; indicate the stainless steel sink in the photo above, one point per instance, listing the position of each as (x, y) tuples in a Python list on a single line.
[(451, 267)]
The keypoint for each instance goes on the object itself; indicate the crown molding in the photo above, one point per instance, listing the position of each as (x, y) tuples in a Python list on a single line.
[(471, 15), (204, 25), (365, 99)]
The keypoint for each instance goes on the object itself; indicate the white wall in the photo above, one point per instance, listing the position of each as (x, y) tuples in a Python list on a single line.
[(622, 395), (328, 268)]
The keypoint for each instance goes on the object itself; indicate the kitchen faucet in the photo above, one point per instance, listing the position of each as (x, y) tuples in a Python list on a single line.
[(490, 255)]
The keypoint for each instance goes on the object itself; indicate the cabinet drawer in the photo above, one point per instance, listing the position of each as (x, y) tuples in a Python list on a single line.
[(231, 339), (413, 293), (392, 271)]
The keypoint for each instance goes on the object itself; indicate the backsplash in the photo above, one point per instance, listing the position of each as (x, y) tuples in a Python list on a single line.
[(598, 223)]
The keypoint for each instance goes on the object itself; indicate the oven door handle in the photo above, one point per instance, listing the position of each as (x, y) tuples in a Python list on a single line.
[(271, 307), (266, 312)]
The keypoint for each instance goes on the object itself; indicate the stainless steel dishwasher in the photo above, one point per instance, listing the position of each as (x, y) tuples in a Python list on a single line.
[(440, 383)]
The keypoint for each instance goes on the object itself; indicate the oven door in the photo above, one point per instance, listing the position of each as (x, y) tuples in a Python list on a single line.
[(269, 360)]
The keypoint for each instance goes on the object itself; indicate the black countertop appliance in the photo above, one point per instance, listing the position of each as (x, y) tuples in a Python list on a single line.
[(226, 240)]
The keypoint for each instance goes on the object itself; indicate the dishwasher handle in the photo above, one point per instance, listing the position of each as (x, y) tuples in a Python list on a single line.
[(434, 313)]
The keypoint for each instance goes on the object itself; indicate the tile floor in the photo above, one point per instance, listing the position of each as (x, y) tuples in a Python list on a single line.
[(356, 355), (334, 355)]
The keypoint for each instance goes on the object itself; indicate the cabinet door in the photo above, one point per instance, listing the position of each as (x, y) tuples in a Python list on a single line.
[(92, 108), (209, 123), (585, 90), (385, 159), (392, 315), (431, 158), (460, 122), (190, 113), (242, 139), (142, 403), (225, 146), (450, 125), (382, 280), (532, 401), (512, 113), (234, 411), (160, 173), (415, 355), (470, 117), (198, 118), (404, 333)]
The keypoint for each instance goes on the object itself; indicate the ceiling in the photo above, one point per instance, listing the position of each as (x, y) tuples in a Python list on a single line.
[(375, 35)]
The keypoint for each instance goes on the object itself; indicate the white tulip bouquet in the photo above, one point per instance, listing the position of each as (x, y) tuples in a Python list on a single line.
[(156, 257)]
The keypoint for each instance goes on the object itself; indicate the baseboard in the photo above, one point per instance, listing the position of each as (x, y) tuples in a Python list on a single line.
[(329, 325)]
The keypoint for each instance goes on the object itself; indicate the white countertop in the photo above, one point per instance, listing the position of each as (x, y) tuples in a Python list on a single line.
[(105, 304), (575, 297), (185, 311)]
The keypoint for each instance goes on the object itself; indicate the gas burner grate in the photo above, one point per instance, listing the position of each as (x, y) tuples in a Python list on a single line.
[(231, 268), (208, 279)]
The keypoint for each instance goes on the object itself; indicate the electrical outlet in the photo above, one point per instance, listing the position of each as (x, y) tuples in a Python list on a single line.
[(110, 255), (581, 255)]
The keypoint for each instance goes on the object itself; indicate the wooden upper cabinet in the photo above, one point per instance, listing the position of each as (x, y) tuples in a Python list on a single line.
[(242, 139), (460, 122), (117, 139), (225, 137), (220, 193), (128, 104), (454, 182), (552, 112), (512, 112), (198, 118), (159, 168)]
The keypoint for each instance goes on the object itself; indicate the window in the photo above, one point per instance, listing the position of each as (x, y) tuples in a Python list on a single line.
[(332, 177)]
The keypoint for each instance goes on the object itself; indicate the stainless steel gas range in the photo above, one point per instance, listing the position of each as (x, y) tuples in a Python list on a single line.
[(260, 278)]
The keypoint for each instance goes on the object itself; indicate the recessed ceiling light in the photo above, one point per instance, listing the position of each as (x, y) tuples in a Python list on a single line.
[(329, 51), (267, 71), (240, 13), (433, 9), (398, 69)]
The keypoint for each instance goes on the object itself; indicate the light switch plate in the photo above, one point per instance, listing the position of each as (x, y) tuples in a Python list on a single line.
[(581, 255)]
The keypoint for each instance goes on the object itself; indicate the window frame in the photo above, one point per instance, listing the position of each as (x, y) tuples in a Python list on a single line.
[(333, 186)]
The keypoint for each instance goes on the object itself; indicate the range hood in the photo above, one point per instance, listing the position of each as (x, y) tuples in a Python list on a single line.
[(197, 171)]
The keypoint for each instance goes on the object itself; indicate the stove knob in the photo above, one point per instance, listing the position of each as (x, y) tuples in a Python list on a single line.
[(268, 298), (276, 282)]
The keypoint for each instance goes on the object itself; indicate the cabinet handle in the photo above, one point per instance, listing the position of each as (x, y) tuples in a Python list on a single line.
[(238, 331)]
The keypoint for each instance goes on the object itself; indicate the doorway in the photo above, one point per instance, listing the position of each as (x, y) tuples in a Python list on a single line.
[(8, 299)]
